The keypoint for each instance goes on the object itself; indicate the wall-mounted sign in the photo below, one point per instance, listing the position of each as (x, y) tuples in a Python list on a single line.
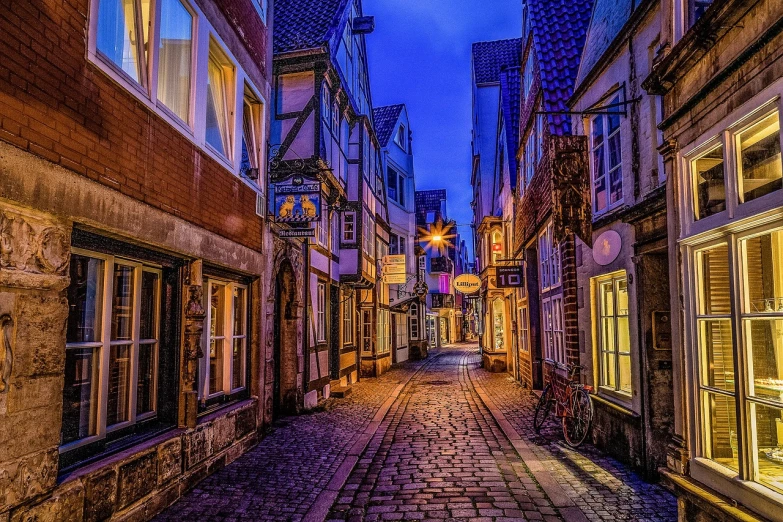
[(297, 232), (571, 200), (509, 276), (395, 279), (607, 247), (298, 201), (393, 270), (467, 284)]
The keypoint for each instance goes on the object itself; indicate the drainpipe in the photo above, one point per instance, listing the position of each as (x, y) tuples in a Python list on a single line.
[(306, 320)]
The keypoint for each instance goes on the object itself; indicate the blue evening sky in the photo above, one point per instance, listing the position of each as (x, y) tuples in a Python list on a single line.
[(419, 55)]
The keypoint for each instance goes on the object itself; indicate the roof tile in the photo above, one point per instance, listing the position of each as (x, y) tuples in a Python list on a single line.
[(385, 119)]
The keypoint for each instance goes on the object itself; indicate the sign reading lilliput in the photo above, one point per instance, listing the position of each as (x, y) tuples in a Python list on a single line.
[(467, 284)]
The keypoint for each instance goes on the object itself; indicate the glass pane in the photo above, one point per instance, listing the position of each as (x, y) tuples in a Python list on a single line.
[(80, 394), (710, 190), (149, 305), (717, 354), (625, 373), (145, 391), (768, 444), (85, 300), (764, 273), (609, 370), (118, 34), (215, 365), (119, 385), (616, 185), (217, 115), (760, 159), (607, 299), (600, 193), (764, 344), (720, 429), (217, 305), (122, 303), (239, 311), (714, 279), (237, 379), (175, 55), (614, 150)]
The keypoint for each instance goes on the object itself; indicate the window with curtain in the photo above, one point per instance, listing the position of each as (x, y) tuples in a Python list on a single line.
[(252, 114), (175, 56), (220, 81), (123, 36)]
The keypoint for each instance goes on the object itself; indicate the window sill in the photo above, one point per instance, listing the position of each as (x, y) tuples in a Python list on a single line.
[(618, 404)]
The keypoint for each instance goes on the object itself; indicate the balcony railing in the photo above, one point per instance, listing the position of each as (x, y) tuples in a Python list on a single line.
[(441, 265)]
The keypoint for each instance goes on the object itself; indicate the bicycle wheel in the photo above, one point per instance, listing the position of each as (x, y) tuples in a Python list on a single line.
[(543, 408), (577, 418)]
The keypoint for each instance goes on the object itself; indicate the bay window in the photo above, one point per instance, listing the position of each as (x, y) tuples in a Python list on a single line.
[(112, 345), (223, 368), (606, 153), (613, 333)]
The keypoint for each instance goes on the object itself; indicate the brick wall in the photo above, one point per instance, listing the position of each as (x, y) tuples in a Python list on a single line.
[(56, 105)]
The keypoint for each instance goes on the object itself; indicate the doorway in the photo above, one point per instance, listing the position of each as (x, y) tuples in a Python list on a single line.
[(286, 358)]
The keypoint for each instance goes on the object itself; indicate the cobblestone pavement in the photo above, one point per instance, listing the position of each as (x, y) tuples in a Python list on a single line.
[(603, 488), (281, 478), (439, 453)]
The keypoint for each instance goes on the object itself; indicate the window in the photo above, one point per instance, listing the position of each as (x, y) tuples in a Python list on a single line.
[(174, 57), (614, 340), (348, 307), (400, 331), (367, 325), (112, 345), (607, 160), (223, 368), (549, 259), (414, 321), (349, 227), (524, 333), (753, 156), (220, 88), (252, 117), (497, 247), (368, 234), (498, 325), (528, 74), (322, 227), (530, 157), (554, 346), (395, 186), (444, 283), (320, 314), (397, 244), (400, 138), (326, 106), (384, 332), (123, 36)]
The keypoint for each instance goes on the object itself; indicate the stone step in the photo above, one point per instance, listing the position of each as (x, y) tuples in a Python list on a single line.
[(340, 392)]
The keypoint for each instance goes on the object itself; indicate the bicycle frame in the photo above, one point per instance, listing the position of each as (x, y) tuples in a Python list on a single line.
[(563, 388)]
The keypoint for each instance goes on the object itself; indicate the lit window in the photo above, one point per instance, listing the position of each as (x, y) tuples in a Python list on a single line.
[(607, 159), (348, 311), (498, 320), (123, 35), (223, 369), (614, 339), (709, 183), (220, 81), (174, 57), (497, 247), (414, 321), (252, 114), (320, 314), (110, 367), (759, 163)]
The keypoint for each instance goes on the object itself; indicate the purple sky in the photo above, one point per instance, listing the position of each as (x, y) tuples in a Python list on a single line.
[(419, 55)]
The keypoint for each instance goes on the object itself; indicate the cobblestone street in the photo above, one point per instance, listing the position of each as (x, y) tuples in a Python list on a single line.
[(437, 439)]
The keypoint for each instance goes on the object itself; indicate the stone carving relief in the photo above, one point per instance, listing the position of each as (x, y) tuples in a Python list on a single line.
[(31, 244), (6, 352), (192, 352)]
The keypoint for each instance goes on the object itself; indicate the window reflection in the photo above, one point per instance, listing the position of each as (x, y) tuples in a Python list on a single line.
[(760, 165), (709, 186)]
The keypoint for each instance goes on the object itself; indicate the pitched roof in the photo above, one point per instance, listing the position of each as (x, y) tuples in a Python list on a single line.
[(559, 28), (489, 58), (510, 99), (385, 119), (306, 24), (609, 17)]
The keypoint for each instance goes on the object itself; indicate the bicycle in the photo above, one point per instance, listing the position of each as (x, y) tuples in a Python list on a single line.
[(572, 403)]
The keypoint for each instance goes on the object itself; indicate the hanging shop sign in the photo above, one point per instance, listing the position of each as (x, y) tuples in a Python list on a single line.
[(607, 247), (571, 200), (298, 200), (467, 284), (509, 276)]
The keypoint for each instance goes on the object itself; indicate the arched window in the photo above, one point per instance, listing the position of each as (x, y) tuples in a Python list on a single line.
[(497, 246)]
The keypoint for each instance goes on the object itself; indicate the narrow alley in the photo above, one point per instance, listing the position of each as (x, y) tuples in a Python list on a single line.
[(435, 439)]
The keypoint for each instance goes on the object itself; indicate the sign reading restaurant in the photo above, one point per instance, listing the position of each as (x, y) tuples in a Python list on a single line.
[(467, 284)]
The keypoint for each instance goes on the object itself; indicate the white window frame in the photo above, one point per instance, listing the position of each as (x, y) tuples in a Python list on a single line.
[(227, 340), (554, 329), (613, 279), (549, 260), (320, 313), (348, 322), (349, 236), (193, 129), (400, 138), (103, 347), (414, 321), (609, 169)]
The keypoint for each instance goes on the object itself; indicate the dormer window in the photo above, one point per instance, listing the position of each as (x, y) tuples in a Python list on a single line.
[(400, 138)]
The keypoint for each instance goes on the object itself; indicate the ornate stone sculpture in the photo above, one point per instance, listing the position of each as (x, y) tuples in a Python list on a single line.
[(192, 352), (6, 353)]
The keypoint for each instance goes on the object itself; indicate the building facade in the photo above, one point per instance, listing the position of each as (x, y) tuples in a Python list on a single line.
[(720, 74), (134, 261), (622, 275)]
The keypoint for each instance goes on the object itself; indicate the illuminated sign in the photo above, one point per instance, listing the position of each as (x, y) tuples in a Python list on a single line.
[(467, 284), (509, 277), (298, 201)]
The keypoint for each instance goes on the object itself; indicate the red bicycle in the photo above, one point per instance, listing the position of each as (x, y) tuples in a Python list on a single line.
[(572, 404)]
